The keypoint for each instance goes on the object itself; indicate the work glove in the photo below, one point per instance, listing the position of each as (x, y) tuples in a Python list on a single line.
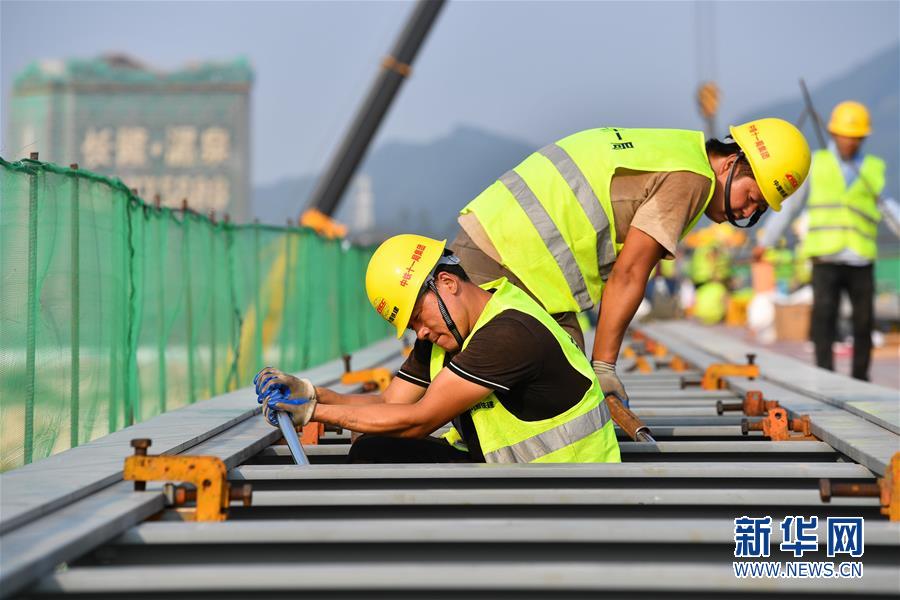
[(609, 381), (277, 390)]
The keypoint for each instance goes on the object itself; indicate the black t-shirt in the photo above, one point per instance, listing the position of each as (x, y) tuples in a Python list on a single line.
[(519, 359)]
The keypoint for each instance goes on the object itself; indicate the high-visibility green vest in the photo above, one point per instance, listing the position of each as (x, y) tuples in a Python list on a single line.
[(702, 265), (667, 269), (842, 217), (551, 220), (710, 263), (783, 261), (584, 433), (710, 302)]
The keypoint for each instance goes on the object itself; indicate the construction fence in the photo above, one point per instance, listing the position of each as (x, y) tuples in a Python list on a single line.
[(113, 311)]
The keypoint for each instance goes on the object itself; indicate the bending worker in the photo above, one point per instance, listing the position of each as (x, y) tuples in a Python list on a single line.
[(489, 359), (593, 213), (843, 218)]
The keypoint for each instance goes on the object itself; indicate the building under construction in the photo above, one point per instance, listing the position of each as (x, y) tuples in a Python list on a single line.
[(174, 135), (213, 503)]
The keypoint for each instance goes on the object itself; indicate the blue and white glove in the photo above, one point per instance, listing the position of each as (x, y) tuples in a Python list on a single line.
[(277, 390)]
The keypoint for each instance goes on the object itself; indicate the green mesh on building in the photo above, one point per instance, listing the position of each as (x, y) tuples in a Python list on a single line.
[(113, 311)]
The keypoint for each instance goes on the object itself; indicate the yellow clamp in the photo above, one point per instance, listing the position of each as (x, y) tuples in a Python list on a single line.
[(380, 377), (715, 373), (643, 365), (207, 473), (677, 364)]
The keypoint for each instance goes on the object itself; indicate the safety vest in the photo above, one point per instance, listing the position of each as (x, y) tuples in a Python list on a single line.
[(667, 269), (551, 220), (710, 302), (842, 217), (710, 263), (702, 265), (783, 261), (584, 433)]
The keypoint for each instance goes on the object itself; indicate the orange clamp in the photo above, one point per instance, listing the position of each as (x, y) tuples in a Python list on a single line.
[(677, 364), (713, 378), (643, 365), (890, 489), (886, 489), (778, 428), (207, 473), (753, 405)]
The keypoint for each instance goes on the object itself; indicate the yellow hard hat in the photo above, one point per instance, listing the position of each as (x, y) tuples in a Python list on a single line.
[(778, 154), (850, 119), (396, 274)]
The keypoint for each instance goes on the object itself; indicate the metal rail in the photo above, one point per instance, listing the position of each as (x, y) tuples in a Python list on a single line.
[(661, 522)]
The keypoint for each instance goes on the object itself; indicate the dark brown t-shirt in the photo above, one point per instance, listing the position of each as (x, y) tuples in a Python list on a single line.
[(519, 359)]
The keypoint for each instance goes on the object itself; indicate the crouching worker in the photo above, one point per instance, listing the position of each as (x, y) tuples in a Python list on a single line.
[(515, 386)]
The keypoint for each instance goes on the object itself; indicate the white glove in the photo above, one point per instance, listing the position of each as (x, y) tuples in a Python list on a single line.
[(609, 381)]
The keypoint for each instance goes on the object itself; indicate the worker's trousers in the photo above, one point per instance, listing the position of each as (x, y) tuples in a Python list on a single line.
[(383, 449), (828, 280)]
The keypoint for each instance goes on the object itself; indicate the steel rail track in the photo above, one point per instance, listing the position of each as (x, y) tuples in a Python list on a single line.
[(661, 522)]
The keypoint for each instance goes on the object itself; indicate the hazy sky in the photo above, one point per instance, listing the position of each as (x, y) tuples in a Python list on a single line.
[(531, 70)]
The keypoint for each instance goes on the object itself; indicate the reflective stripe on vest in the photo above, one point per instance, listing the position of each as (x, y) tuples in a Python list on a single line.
[(583, 433), (590, 204), (549, 233), (845, 228), (842, 217), (550, 219), (552, 440), (852, 209)]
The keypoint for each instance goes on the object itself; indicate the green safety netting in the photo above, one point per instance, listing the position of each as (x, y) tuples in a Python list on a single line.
[(113, 311)]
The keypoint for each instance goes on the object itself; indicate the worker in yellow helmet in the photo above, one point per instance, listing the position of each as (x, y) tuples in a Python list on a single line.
[(841, 199), (593, 213), (488, 358)]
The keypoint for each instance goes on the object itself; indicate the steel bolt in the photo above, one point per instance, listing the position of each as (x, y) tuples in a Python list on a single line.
[(140, 446), (721, 407), (751, 359), (825, 490), (243, 493), (829, 490)]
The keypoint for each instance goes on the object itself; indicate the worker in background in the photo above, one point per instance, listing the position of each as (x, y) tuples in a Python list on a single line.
[(593, 213), (841, 234), (782, 259), (489, 359), (711, 272)]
